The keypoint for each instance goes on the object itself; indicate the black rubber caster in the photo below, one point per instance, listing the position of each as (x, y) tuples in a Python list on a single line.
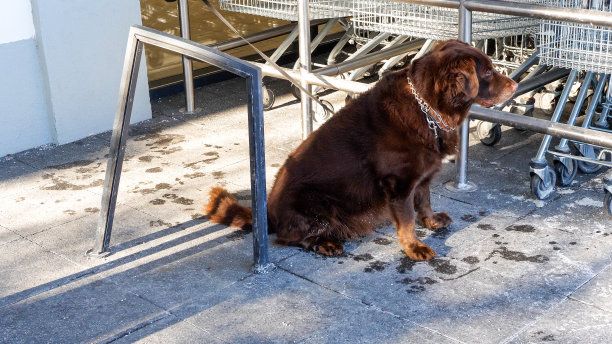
[(588, 152), (565, 174), (488, 133), (540, 188), (295, 91), (607, 203), (268, 98)]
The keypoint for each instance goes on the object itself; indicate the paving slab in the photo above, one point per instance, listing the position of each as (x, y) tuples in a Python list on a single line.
[(87, 310), (570, 322), (169, 329), (292, 311), (597, 292)]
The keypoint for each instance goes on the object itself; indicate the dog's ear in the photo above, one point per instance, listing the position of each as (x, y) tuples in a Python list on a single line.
[(466, 79)]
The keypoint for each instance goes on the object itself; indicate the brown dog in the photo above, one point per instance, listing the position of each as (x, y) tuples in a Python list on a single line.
[(376, 157)]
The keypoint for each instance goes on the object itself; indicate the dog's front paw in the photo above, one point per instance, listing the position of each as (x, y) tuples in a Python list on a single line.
[(419, 251), (437, 221), (329, 248)]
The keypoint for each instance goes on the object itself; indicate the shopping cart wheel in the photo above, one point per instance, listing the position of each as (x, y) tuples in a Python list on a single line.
[(320, 114), (488, 133), (565, 174), (608, 203), (268, 98), (543, 188), (588, 152)]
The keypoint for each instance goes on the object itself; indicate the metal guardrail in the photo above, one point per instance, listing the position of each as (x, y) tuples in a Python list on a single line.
[(137, 37)]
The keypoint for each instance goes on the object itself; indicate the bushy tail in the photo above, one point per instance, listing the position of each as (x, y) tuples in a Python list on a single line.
[(223, 208)]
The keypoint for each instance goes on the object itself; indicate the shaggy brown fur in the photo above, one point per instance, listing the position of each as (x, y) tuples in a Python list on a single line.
[(376, 157)]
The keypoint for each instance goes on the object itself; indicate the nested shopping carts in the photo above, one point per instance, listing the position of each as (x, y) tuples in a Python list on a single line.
[(333, 11), (587, 51)]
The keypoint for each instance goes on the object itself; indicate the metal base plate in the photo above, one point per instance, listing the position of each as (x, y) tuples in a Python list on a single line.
[(452, 186), (92, 254), (194, 112), (264, 269)]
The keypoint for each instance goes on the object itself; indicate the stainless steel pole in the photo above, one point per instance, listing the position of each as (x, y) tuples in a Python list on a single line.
[(461, 183), (304, 47), (183, 9)]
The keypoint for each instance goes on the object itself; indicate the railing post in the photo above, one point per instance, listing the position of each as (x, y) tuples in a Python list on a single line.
[(183, 10), (304, 47), (461, 183)]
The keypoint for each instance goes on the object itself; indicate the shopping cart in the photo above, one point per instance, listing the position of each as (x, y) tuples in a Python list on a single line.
[(438, 23), (332, 10), (587, 50)]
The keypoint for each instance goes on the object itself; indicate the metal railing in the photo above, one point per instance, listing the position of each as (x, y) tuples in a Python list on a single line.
[(137, 37)]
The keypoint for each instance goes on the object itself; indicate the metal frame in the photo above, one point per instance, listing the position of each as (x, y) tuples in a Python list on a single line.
[(137, 37)]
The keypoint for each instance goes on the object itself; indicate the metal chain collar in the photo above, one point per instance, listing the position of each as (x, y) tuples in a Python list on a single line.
[(433, 123)]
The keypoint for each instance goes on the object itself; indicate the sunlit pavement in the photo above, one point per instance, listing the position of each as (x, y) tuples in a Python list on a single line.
[(510, 268)]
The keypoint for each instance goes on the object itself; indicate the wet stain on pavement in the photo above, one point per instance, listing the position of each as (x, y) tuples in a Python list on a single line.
[(416, 285), (60, 184), (237, 235), (376, 265), (443, 266), (382, 241), (218, 175), (441, 233), (146, 158), (521, 228), (471, 260), (195, 175), (469, 218), (154, 170), (363, 257), (406, 264), (517, 256), (183, 201), (485, 227), (157, 201), (160, 186), (159, 223), (92, 210)]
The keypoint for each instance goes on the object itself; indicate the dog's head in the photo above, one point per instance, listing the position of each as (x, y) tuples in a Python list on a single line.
[(460, 75)]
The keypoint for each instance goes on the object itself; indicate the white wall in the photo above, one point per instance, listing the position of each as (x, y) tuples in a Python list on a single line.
[(60, 67), (23, 112), (82, 45)]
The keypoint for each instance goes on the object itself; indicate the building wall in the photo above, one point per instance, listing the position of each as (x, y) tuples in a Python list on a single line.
[(23, 112), (61, 64)]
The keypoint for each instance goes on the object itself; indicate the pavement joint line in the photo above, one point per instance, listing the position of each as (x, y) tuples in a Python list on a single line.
[(370, 306), (589, 304), (133, 329)]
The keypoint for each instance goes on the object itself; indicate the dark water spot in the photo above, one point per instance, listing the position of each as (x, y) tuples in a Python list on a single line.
[(195, 175), (556, 248), (218, 175), (170, 196), (495, 235), (498, 243), (469, 218), (48, 175), (406, 264), (243, 196), (154, 170), (382, 241), (64, 185), (572, 243), (69, 212), (237, 235), (521, 228), (183, 201), (376, 265), (483, 213), (157, 201), (236, 144), (552, 242), (441, 233), (160, 186), (159, 223), (417, 285), (197, 216), (145, 158), (420, 233), (443, 266), (167, 151), (471, 260), (485, 227), (196, 164), (92, 210), (65, 166), (275, 165), (21, 199), (340, 262), (363, 257), (210, 153), (517, 256)]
